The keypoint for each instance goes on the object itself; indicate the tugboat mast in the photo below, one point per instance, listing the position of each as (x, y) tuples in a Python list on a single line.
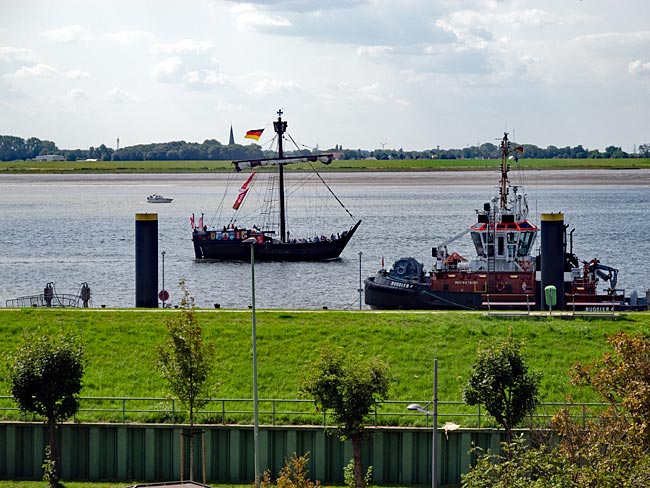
[(280, 128), (505, 149)]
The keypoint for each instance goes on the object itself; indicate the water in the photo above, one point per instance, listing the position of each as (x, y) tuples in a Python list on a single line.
[(70, 229)]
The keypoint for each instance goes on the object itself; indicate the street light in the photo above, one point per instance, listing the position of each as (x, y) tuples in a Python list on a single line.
[(163, 279), (420, 408), (256, 439), (360, 290)]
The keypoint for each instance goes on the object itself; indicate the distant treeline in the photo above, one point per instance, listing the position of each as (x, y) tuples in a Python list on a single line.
[(13, 148)]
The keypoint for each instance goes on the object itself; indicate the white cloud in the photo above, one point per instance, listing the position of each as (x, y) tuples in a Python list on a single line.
[(185, 46), (67, 34), (192, 64), (611, 39), (129, 36), (77, 74), (211, 77), (10, 54), (370, 94), (37, 71), (78, 95), (268, 86), (253, 16), (374, 93), (117, 95), (169, 71), (639, 68), (374, 51)]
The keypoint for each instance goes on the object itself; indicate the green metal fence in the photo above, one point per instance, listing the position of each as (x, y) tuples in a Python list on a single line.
[(228, 411), (151, 453)]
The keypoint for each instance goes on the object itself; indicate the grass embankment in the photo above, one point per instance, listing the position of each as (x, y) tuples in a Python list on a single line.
[(121, 348), (340, 165)]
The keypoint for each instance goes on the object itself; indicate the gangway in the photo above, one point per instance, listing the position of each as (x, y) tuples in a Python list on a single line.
[(50, 298)]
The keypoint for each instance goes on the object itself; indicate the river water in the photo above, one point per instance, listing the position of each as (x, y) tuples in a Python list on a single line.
[(70, 229)]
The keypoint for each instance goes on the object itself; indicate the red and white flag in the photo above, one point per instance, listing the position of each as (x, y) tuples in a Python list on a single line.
[(242, 192)]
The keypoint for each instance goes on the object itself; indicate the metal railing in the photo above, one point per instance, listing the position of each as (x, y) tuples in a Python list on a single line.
[(59, 300), (228, 411)]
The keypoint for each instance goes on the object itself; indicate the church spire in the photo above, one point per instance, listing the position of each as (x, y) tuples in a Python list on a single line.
[(232, 137)]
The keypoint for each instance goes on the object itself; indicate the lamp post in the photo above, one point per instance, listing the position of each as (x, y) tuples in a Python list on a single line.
[(256, 439), (420, 408), (360, 288), (163, 279)]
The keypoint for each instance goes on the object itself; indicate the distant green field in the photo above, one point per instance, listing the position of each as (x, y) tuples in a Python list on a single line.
[(341, 165), (121, 347)]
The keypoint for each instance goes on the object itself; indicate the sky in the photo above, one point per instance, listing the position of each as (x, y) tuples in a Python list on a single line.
[(411, 74)]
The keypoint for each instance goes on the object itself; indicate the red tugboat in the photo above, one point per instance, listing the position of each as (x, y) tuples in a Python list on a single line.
[(503, 273)]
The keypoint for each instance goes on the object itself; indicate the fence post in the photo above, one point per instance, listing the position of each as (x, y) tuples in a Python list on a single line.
[(272, 412)]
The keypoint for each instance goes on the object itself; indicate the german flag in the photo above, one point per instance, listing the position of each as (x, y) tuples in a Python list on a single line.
[(254, 134)]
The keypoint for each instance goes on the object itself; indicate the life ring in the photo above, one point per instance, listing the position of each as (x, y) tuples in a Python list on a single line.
[(500, 286), (225, 236)]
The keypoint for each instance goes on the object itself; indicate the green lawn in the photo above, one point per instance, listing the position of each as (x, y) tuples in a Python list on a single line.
[(121, 347), (347, 165)]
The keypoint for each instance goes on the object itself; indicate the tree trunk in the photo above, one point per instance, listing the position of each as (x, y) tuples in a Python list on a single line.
[(358, 467), (191, 440), (53, 469)]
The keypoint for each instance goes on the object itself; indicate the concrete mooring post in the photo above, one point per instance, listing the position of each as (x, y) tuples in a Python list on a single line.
[(146, 260)]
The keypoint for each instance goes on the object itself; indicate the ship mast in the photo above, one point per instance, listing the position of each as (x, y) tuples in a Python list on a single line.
[(280, 128), (505, 149)]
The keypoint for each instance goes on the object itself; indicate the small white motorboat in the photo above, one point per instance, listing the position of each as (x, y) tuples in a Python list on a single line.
[(155, 198)]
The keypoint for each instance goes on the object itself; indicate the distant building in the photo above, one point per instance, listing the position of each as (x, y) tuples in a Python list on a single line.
[(49, 157), (232, 136)]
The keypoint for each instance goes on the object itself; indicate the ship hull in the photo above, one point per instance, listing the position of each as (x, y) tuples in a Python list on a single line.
[(382, 292), (208, 248)]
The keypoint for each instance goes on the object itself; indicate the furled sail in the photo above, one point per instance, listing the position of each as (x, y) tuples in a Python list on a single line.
[(253, 163)]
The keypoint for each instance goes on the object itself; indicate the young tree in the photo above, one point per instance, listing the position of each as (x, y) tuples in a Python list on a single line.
[(501, 382), (185, 361), (46, 376), (348, 386), (611, 450)]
